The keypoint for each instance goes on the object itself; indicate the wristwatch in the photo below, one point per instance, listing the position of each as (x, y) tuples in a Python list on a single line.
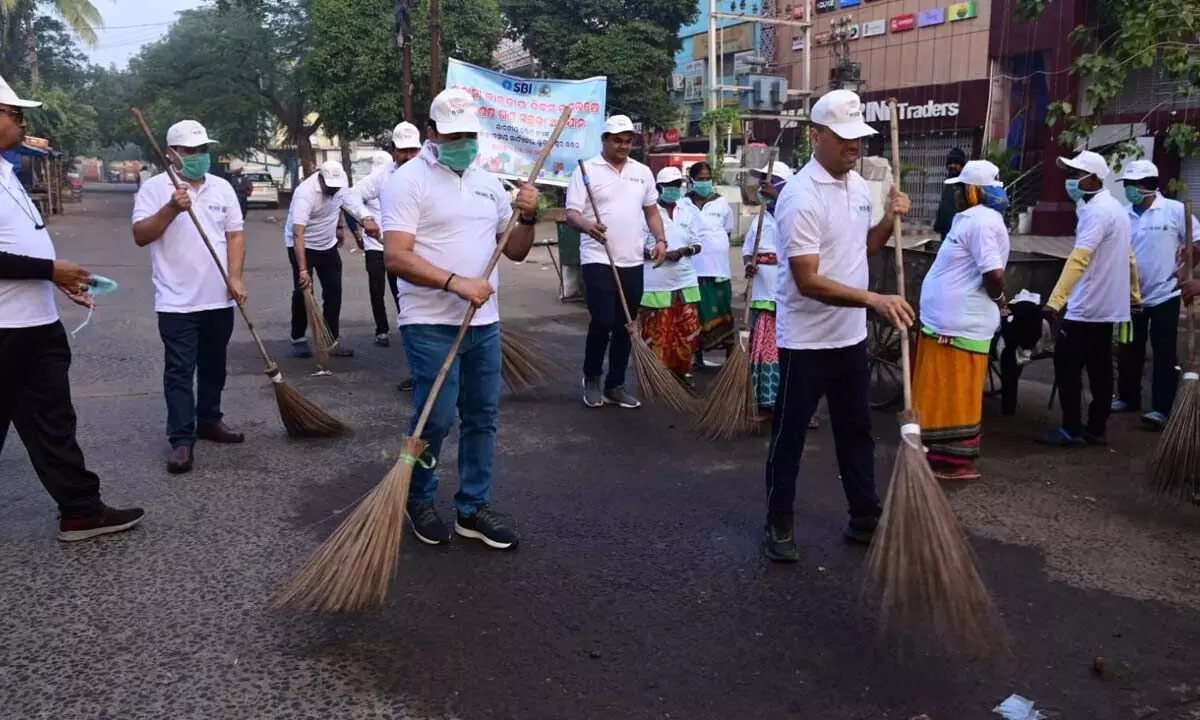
[(532, 220)]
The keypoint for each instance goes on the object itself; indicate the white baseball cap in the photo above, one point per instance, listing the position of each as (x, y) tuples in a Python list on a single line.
[(1088, 162), (188, 134), (1140, 170), (9, 97), (841, 112), (618, 124), (979, 173), (777, 169), (669, 174), (333, 174), (406, 136), (380, 159), (455, 111)]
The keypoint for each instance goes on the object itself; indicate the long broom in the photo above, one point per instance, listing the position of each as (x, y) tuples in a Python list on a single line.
[(729, 410), (323, 342), (655, 380), (353, 568), (920, 562), (301, 418), (1175, 465), (526, 363)]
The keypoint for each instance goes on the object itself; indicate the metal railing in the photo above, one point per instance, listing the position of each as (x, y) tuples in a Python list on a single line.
[(1023, 193)]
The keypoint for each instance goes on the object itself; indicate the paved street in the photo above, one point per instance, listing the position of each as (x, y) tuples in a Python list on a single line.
[(638, 591)]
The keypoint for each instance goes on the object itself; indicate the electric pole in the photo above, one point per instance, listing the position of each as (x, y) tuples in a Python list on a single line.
[(845, 73), (435, 47)]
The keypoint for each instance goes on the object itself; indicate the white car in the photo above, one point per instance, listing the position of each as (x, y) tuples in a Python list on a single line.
[(264, 191)]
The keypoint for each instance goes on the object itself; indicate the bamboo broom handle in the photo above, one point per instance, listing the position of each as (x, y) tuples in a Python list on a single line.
[(587, 184), (495, 259), (1190, 273), (758, 240), (898, 237), (162, 158)]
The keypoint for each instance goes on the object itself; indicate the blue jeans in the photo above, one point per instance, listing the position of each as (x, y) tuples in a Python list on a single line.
[(194, 347), (473, 387)]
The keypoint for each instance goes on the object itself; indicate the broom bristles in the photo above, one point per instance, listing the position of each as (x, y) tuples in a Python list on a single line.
[(301, 418), (656, 382), (353, 568), (323, 340), (1175, 464), (921, 566), (526, 363), (726, 412)]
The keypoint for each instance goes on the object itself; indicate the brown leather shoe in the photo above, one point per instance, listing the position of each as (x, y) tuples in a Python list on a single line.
[(180, 460), (220, 433)]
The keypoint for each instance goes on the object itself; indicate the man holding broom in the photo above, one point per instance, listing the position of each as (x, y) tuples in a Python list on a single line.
[(195, 310), (824, 217), (442, 219)]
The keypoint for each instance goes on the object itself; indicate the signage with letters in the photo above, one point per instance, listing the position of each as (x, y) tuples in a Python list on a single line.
[(932, 16), (733, 39), (873, 28), (878, 111), (797, 42), (938, 107), (902, 23), (849, 3), (822, 38), (962, 11), (824, 6)]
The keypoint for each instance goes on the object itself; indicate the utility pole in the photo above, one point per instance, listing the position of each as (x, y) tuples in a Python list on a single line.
[(845, 73), (435, 47), (404, 43)]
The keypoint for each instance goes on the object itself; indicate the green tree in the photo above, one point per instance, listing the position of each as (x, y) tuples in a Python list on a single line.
[(65, 120), (632, 42), (60, 61), (81, 16)]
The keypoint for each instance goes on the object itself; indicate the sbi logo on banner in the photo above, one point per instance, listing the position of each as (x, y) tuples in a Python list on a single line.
[(524, 87)]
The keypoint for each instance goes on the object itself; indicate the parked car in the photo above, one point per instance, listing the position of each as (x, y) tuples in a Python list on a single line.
[(264, 190)]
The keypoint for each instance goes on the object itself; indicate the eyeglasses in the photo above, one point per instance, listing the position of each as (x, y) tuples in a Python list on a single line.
[(15, 113)]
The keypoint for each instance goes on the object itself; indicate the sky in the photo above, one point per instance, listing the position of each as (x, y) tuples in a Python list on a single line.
[(130, 24)]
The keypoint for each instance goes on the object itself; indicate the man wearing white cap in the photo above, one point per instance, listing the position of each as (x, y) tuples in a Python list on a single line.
[(405, 144), (1159, 234), (824, 216), (195, 310), (961, 299), (1098, 287), (35, 354), (311, 234), (442, 219), (626, 202)]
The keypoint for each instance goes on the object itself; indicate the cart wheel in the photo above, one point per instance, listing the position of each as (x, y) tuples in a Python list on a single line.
[(883, 363)]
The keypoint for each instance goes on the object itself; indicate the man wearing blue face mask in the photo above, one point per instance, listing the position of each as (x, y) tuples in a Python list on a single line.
[(1098, 287)]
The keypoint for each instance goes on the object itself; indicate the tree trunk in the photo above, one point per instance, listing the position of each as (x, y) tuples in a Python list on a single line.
[(304, 150), (31, 57), (347, 162)]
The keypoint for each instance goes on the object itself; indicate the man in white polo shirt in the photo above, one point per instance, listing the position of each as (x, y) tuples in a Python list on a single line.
[(1098, 287), (195, 311), (1159, 228), (824, 219), (626, 200), (311, 234), (442, 218), (35, 354)]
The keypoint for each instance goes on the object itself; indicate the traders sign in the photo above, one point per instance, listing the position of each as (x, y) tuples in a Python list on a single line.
[(878, 111)]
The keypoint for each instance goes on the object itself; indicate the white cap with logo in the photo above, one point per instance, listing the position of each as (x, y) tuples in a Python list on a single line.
[(406, 136), (188, 134), (333, 174), (455, 111), (1140, 170), (979, 173), (1088, 162), (841, 111), (668, 175), (777, 169), (617, 124), (9, 97)]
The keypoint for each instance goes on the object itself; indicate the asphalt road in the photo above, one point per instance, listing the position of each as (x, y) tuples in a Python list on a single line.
[(638, 591)]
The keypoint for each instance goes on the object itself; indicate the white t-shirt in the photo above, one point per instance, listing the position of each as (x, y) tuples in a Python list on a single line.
[(767, 277), (318, 214), (1158, 234), (1102, 294), (456, 221), (185, 277), (820, 215), (713, 231), (621, 198), (954, 301), (366, 194), (672, 275), (23, 303)]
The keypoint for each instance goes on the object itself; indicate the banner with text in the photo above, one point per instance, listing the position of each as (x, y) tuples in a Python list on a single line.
[(519, 114)]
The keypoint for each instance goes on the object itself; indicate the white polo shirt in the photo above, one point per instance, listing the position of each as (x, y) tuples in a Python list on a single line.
[(23, 303), (820, 215), (621, 198), (185, 277), (1158, 234), (713, 231), (766, 279), (366, 194), (1102, 294), (678, 275), (954, 302), (456, 221), (318, 214)]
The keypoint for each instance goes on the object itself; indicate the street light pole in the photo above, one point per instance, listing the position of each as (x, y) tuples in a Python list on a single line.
[(713, 141)]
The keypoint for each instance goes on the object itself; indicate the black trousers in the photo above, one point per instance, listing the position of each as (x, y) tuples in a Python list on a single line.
[(35, 397), (606, 331), (377, 274), (842, 377), (1160, 326), (195, 348), (327, 266), (1084, 346)]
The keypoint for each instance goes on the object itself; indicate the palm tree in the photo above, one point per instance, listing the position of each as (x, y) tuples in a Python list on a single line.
[(80, 15)]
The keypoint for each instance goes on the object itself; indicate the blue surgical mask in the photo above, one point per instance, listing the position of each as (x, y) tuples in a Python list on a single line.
[(458, 154), (670, 195), (97, 285), (1075, 192), (703, 188), (1135, 194)]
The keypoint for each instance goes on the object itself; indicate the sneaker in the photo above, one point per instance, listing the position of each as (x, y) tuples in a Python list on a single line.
[(1154, 420), (486, 527), (340, 351), (620, 396), (382, 340), (300, 348), (406, 385), (1061, 438), (1120, 406), (1092, 439), (106, 522), (592, 396), (779, 545), (426, 525), (862, 530)]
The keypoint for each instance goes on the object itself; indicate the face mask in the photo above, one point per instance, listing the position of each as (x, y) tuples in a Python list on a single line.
[(670, 195), (97, 285), (1135, 194), (195, 166), (703, 188), (1075, 192), (458, 154)]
